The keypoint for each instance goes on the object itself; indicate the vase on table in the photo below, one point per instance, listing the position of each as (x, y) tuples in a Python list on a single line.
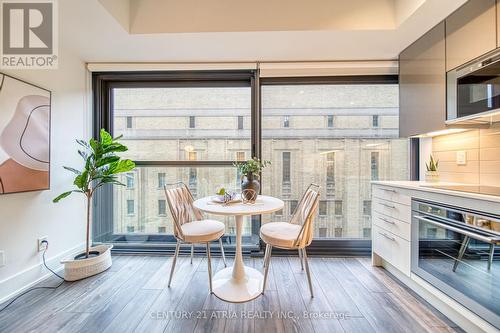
[(250, 187)]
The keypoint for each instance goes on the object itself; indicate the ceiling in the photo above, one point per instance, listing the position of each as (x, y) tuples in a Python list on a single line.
[(237, 30)]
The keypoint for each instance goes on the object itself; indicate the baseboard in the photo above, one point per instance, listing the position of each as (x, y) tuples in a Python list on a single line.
[(456, 312), (30, 276)]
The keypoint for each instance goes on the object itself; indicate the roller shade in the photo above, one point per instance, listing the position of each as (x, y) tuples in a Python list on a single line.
[(144, 67), (334, 68)]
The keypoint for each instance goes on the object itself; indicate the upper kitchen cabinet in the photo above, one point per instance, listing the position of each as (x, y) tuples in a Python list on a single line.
[(471, 31), (422, 84)]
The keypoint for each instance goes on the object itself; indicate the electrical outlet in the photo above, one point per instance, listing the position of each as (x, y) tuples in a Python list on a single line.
[(2, 258), (461, 157), (42, 246)]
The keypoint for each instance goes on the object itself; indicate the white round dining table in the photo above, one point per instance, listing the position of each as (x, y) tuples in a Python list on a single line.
[(239, 283)]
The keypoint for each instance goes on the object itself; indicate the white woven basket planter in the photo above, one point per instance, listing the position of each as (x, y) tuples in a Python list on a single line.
[(80, 269)]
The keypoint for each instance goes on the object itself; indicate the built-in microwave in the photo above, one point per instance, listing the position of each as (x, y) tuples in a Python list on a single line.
[(473, 91)]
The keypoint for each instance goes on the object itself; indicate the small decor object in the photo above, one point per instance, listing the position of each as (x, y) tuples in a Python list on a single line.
[(250, 171), (24, 136), (102, 166), (248, 196), (432, 174), (224, 196)]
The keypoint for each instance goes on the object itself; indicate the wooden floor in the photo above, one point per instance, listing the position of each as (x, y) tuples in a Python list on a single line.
[(132, 296)]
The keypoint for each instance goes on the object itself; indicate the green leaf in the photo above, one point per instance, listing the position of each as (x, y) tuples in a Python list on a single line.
[(121, 166), (107, 160), (62, 196), (83, 154), (81, 181), (106, 138), (83, 143), (114, 148), (72, 170)]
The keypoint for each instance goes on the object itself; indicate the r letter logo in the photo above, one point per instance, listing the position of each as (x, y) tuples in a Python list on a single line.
[(29, 39)]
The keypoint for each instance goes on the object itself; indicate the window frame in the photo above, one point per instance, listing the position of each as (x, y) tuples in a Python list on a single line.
[(103, 82)]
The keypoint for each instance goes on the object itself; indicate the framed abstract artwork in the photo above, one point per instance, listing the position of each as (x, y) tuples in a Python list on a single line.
[(24, 136)]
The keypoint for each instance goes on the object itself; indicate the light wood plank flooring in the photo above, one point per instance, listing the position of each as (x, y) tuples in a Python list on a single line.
[(132, 296)]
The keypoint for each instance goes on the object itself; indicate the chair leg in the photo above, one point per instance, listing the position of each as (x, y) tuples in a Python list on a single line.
[(209, 267), (300, 258), (266, 252), (304, 254), (192, 253), (490, 257), (269, 249), (222, 251), (174, 260), (461, 252)]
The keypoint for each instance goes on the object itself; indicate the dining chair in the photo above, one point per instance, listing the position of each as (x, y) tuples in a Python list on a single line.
[(294, 235), (190, 227)]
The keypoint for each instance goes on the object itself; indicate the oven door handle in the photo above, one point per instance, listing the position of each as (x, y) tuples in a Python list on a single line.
[(455, 229)]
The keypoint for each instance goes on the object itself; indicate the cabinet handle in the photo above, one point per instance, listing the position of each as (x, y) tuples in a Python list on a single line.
[(387, 236), (389, 190), (387, 221), (387, 205)]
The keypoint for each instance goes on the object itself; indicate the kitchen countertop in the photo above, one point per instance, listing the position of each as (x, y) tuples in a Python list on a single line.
[(422, 186)]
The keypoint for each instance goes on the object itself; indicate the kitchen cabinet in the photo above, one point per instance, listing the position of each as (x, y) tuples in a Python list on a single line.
[(471, 31), (422, 82)]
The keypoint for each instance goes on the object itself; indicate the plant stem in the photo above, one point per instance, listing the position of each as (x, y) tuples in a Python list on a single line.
[(87, 246)]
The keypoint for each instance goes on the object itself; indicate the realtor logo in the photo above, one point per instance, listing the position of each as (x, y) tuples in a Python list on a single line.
[(29, 39)]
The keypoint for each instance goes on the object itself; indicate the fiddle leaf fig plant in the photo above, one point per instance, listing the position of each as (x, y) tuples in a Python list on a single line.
[(102, 166)]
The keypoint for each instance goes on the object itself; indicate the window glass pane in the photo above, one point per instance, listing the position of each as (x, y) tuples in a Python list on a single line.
[(364, 145), (152, 214), (130, 180), (169, 123), (161, 179)]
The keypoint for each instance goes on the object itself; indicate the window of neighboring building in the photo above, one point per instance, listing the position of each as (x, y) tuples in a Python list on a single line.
[(130, 180), (286, 121), (367, 232), (129, 122), (339, 207), (130, 228), (330, 173), (323, 208), (286, 160), (162, 207), (293, 206), (322, 232), (193, 181), (162, 230), (192, 122), (375, 119), (240, 122), (338, 232), (367, 207), (162, 179), (330, 121), (374, 165), (192, 155), (130, 207)]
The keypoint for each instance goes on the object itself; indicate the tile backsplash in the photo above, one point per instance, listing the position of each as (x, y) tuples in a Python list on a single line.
[(482, 148)]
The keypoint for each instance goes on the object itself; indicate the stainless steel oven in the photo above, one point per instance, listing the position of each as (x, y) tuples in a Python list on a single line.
[(473, 91), (454, 250)]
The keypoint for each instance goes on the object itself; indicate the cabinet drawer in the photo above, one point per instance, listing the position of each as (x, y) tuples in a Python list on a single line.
[(399, 228), (391, 194), (393, 249), (392, 209)]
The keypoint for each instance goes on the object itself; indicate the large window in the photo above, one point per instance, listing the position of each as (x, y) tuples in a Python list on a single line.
[(183, 130), (358, 144), (191, 129)]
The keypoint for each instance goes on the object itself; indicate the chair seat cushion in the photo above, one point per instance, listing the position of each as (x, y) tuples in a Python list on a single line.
[(202, 231), (280, 234)]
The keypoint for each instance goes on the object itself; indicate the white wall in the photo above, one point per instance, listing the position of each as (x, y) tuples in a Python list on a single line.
[(24, 217)]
